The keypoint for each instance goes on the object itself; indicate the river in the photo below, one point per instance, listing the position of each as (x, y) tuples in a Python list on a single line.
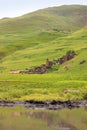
[(20, 118)]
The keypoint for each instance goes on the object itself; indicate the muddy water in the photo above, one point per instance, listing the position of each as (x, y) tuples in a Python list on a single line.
[(24, 119)]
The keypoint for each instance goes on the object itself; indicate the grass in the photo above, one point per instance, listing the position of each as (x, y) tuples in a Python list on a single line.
[(52, 49), (27, 41), (42, 87), (22, 32)]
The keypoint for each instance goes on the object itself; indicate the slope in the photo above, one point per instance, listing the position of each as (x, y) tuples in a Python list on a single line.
[(27, 41), (36, 55), (40, 27)]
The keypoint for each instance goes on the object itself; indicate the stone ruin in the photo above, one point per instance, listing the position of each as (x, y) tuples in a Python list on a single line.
[(47, 66)]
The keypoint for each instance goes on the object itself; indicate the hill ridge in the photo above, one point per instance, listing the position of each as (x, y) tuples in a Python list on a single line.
[(31, 38)]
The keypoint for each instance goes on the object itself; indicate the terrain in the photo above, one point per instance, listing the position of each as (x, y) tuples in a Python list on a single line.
[(27, 41)]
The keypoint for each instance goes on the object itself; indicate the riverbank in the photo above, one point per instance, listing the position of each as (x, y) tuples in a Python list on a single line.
[(46, 87), (45, 105)]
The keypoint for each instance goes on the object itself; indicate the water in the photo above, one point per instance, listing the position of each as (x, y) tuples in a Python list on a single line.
[(24, 119)]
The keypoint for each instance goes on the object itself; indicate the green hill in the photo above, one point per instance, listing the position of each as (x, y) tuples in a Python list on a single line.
[(41, 26), (36, 55), (27, 41)]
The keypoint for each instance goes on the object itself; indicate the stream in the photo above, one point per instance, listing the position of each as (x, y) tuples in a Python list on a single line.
[(21, 118)]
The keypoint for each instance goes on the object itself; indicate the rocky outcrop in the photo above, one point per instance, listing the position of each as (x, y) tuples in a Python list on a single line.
[(68, 56), (47, 66), (40, 69), (14, 71), (82, 62), (46, 105)]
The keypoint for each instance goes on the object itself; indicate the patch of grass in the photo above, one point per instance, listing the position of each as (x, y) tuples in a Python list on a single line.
[(42, 87), (27, 41)]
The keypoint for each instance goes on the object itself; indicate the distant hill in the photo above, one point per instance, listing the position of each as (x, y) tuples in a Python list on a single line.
[(67, 17), (28, 40)]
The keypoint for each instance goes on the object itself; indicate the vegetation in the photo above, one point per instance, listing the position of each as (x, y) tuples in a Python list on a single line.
[(42, 87), (27, 41)]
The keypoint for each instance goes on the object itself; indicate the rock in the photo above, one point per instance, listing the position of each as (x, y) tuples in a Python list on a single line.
[(47, 105), (82, 62), (47, 66)]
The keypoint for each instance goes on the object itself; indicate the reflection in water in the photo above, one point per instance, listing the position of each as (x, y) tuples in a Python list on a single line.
[(53, 121), (24, 119)]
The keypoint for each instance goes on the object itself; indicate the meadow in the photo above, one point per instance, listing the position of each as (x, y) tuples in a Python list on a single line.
[(27, 41), (42, 87)]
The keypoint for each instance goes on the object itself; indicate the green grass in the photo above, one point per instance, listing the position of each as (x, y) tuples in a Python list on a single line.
[(37, 53), (40, 27), (42, 87), (27, 41)]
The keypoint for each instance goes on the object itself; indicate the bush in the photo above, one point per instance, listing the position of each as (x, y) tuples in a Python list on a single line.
[(85, 96), (70, 51)]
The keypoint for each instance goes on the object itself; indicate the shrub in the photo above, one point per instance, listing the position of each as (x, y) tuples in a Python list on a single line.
[(85, 96), (70, 51)]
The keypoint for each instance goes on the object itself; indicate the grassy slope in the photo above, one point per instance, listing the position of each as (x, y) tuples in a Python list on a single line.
[(22, 32), (42, 87), (29, 57), (29, 45), (49, 86)]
